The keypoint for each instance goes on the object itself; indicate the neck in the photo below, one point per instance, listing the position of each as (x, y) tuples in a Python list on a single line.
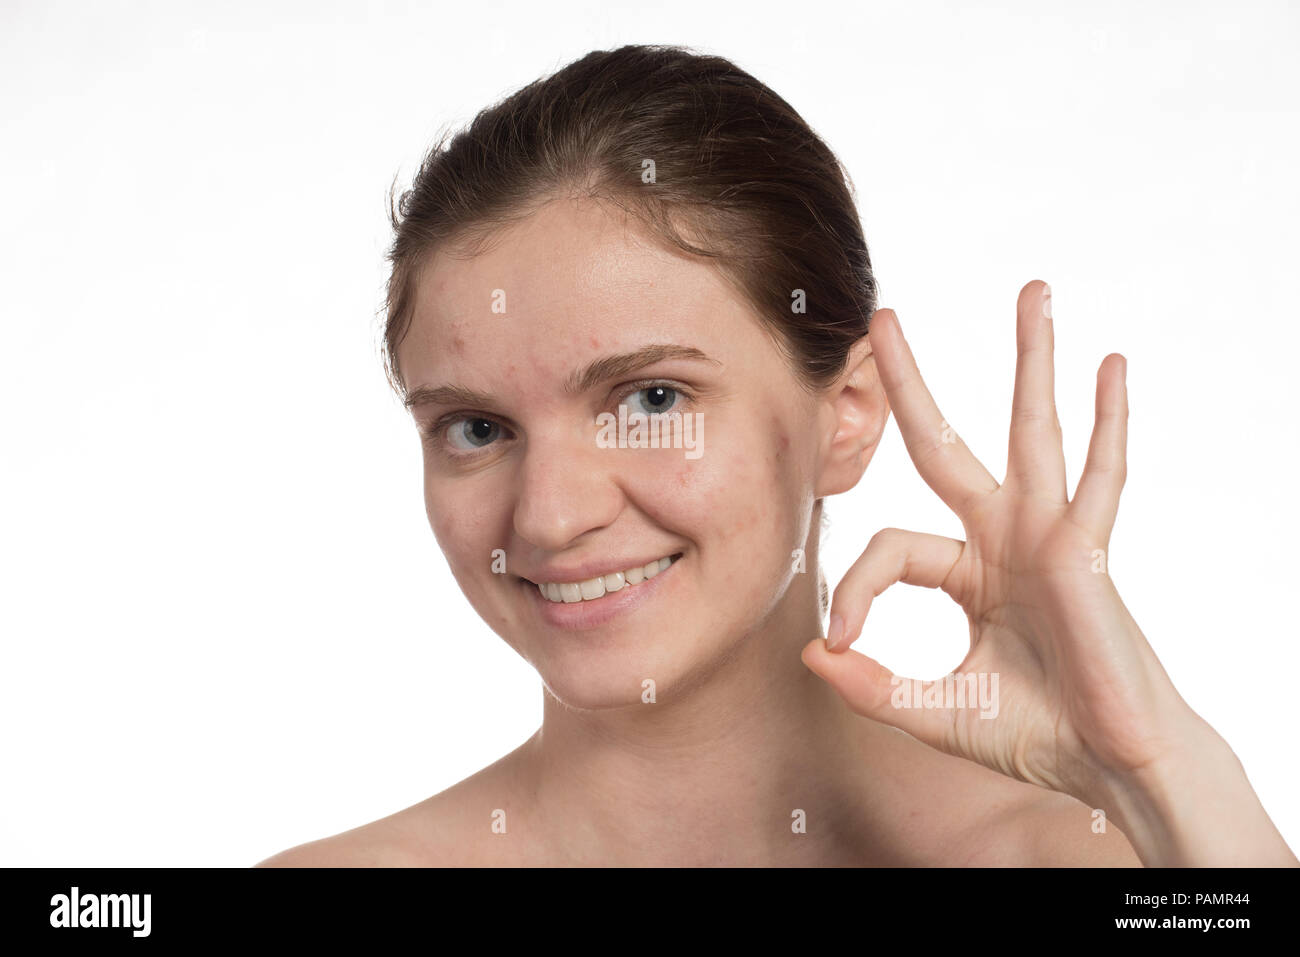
[(721, 773)]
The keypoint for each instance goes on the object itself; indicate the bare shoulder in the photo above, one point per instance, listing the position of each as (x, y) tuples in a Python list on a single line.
[(1045, 830), (371, 845), (437, 832), (1065, 832), (946, 811)]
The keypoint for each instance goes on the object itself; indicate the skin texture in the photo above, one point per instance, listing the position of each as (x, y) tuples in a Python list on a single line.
[(754, 720)]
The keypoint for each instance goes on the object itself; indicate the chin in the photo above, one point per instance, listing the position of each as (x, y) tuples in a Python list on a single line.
[(599, 679)]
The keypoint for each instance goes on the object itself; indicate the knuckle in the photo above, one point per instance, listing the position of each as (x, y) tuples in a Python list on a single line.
[(1036, 418)]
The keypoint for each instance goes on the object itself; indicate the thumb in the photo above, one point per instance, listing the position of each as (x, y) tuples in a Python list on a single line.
[(873, 691)]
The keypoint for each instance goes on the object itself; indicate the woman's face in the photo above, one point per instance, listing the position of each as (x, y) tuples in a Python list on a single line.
[(516, 353)]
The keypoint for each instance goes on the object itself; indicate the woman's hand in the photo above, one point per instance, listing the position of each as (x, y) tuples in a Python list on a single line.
[(1082, 704)]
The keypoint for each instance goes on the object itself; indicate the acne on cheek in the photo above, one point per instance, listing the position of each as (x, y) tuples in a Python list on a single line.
[(736, 494), (784, 444), (778, 478), (679, 493), (789, 464)]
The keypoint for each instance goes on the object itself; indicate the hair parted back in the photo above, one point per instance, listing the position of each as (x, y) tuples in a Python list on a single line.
[(739, 178)]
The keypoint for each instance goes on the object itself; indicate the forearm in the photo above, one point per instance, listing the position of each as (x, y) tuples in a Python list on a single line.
[(1197, 810)]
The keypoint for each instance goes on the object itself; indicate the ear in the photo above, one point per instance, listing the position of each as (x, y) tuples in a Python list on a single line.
[(854, 410)]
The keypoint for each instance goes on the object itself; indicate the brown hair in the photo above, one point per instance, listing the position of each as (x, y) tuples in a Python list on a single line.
[(734, 166)]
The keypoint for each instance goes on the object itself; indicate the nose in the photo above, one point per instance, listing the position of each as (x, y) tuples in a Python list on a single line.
[(568, 486)]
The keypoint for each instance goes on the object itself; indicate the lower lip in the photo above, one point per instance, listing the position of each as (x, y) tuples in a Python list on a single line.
[(586, 615)]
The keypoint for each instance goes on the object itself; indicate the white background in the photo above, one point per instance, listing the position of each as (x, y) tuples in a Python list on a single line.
[(226, 626)]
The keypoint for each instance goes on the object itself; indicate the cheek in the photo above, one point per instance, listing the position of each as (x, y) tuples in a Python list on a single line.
[(747, 491), (782, 450), (463, 525)]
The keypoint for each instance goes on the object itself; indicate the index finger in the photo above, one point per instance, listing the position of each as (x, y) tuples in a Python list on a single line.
[(939, 454)]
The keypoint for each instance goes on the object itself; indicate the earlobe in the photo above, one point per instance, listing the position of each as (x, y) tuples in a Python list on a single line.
[(859, 408)]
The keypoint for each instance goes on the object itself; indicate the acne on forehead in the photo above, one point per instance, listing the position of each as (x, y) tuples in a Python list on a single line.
[(581, 248), (577, 283)]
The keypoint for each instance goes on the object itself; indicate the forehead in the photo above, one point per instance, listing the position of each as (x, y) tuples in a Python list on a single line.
[(577, 280)]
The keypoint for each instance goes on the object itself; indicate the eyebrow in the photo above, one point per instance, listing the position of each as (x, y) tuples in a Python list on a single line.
[(608, 367)]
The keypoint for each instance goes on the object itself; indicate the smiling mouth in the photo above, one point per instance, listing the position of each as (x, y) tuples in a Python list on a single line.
[(594, 588)]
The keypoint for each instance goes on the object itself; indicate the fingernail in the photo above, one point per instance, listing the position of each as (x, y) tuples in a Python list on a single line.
[(836, 632), (1047, 300)]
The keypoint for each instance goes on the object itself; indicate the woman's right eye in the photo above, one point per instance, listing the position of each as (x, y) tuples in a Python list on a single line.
[(471, 434)]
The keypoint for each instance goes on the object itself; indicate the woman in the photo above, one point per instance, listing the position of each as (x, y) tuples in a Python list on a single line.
[(654, 238)]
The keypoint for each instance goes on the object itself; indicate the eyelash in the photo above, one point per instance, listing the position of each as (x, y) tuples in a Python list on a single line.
[(435, 433)]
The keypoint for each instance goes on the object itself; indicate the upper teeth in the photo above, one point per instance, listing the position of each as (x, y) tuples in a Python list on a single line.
[(594, 588)]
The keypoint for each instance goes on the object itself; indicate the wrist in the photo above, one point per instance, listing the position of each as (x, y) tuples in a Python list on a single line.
[(1194, 806)]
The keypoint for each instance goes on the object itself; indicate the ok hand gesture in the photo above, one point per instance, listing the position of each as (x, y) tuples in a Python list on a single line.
[(1084, 707)]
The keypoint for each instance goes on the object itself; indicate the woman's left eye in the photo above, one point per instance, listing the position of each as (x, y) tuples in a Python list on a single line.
[(653, 399)]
